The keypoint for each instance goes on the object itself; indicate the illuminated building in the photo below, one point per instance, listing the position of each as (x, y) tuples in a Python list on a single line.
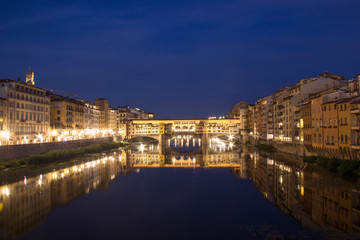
[(289, 100), (355, 124), (66, 113), (305, 123), (264, 128), (104, 112), (325, 119), (126, 113), (317, 119), (92, 116), (28, 110), (4, 133), (244, 112), (343, 109), (114, 122), (330, 125)]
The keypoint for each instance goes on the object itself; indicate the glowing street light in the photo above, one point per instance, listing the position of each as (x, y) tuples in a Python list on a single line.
[(54, 133), (6, 191), (142, 148)]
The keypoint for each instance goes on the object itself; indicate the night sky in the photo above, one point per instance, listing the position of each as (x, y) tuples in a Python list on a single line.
[(179, 59)]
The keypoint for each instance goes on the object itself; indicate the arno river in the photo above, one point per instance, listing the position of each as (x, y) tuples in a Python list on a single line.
[(182, 190)]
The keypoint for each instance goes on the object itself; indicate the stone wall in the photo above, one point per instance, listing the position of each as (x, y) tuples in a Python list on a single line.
[(298, 150), (24, 150), (301, 150)]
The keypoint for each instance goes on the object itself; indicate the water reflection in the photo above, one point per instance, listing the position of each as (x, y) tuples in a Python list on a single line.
[(310, 194), (25, 204), (307, 193)]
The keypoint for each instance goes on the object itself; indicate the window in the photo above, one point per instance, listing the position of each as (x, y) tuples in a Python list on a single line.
[(325, 108), (319, 140), (334, 106), (346, 138)]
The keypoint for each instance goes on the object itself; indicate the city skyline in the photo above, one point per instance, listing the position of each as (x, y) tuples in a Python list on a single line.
[(177, 59)]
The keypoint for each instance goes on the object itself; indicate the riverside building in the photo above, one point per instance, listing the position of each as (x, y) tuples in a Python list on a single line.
[(67, 117), (92, 116), (26, 111)]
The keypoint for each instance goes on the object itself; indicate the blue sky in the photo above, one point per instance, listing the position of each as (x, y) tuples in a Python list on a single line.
[(178, 58)]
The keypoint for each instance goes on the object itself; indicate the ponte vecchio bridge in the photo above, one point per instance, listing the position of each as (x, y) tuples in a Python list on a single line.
[(158, 128)]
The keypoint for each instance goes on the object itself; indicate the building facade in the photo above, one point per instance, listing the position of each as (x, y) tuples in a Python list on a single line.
[(27, 116), (67, 113)]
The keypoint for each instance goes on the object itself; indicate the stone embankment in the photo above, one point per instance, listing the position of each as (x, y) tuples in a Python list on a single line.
[(24, 150), (301, 150)]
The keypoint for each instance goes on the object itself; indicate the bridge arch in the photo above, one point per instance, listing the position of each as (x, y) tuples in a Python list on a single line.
[(146, 138)]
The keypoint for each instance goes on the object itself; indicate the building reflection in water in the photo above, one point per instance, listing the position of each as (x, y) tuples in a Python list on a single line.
[(309, 194), (25, 204)]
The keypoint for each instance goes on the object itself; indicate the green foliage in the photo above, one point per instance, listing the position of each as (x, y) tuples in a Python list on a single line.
[(266, 148), (346, 168), (61, 155)]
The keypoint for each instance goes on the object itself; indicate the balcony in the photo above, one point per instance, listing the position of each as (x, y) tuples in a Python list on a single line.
[(355, 146), (355, 128), (356, 209), (355, 111)]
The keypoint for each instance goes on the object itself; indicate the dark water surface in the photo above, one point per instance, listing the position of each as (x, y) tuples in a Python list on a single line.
[(169, 195)]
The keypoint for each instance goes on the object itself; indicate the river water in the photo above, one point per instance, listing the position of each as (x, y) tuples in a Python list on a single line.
[(182, 190)]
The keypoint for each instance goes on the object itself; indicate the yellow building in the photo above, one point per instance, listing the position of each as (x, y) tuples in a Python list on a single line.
[(343, 108), (28, 110), (305, 123), (316, 126), (114, 121), (330, 125), (92, 116), (104, 112), (67, 113), (355, 124), (4, 134)]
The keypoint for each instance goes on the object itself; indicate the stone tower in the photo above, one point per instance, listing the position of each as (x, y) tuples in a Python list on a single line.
[(30, 77)]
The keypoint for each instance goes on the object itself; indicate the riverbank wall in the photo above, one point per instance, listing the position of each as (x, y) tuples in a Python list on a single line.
[(297, 150), (24, 150), (306, 151)]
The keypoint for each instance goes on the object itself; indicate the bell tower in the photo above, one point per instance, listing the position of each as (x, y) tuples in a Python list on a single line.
[(30, 77)]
